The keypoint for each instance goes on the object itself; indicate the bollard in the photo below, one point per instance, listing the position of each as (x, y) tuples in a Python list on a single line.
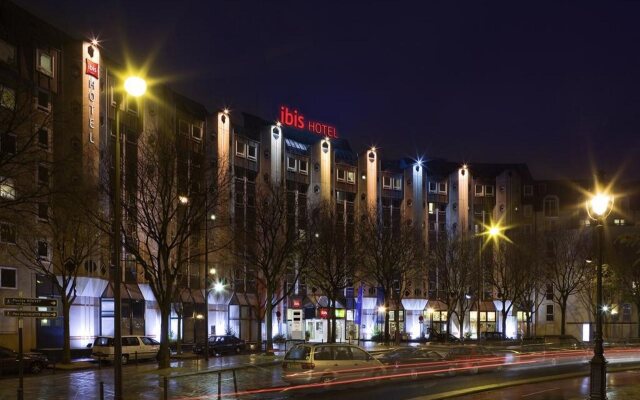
[(165, 384), (219, 386), (235, 383), (101, 390)]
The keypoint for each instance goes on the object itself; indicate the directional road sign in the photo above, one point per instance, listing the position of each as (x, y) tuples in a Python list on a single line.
[(29, 302), (31, 314)]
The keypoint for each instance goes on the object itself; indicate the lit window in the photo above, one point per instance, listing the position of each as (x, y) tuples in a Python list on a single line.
[(7, 189), (7, 98), (8, 278), (7, 53), (183, 127), (291, 164), (43, 138), (479, 190), (7, 233), (196, 132), (252, 152), (386, 182), (431, 208), (619, 222), (341, 175), (351, 177), (528, 190), (397, 184), (442, 187), (45, 63), (241, 150), (488, 190)]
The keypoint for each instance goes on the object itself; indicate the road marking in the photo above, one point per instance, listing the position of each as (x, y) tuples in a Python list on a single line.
[(542, 391)]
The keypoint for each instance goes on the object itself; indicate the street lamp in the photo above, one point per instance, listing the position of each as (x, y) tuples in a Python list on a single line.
[(493, 233), (598, 207), (134, 86), (211, 273)]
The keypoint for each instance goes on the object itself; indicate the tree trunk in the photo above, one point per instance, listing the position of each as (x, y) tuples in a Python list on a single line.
[(505, 313), (332, 335), (461, 320), (66, 347), (528, 316), (563, 315), (386, 322), (164, 355), (268, 322)]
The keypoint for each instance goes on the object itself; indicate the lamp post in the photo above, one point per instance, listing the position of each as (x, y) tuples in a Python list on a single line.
[(598, 208), (135, 87), (493, 233), (211, 272)]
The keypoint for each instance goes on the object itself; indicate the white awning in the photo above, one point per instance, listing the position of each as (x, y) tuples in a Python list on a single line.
[(414, 304), (369, 303), (90, 287), (147, 293)]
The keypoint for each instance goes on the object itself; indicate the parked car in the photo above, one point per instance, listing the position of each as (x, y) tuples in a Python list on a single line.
[(436, 336), (133, 348), (470, 359), (411, 360), (221, 344), (33, 362), (326, 363)]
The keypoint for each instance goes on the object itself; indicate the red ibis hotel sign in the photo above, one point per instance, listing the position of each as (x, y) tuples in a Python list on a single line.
[(295, 119)]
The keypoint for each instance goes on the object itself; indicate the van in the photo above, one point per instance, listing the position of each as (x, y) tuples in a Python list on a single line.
[(133, 348), (326, 363)]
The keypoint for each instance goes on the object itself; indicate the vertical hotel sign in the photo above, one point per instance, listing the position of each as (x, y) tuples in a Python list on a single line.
[(90, 91)]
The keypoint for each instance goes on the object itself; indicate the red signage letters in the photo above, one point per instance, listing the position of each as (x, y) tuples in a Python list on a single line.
[(295, 119)]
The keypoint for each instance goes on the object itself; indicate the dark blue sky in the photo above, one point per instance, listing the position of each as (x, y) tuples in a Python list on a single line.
[(554, 85)]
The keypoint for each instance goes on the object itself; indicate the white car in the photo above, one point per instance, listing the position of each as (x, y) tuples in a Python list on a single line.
[(133, 348)]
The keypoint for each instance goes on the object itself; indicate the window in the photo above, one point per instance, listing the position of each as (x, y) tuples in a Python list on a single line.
[(549, 294), (7, 189), (432, 187), (291, 164), (132, 105), (43, 249), (303, 167), (528, 210), (7, 53), (8, 278), (7, 98), (351, 176), (550, 206), (183, 127), (431, 208), (43, 100), (397, 184), (43, 211), (130, 341), (43, 175), (479, 190), (196, 132), (9, 143), (442, 187), (489, 190), (252, 152), (341, 175), (528, 190), (549, 312), (240, 149), (43, 138), (619, 221), (358, 354), (7, 233), (45, 63), (386, 182)]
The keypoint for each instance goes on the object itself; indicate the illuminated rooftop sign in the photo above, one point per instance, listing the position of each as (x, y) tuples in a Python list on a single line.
[(296, 119)]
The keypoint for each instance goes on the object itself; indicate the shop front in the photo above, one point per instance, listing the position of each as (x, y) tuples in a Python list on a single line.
[(434, 317), (487, 318)]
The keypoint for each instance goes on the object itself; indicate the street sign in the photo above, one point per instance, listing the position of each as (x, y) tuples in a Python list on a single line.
[(29, 302), (30, 314)]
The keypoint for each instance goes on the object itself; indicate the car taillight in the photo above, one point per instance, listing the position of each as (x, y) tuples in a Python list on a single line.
[(308, 365)]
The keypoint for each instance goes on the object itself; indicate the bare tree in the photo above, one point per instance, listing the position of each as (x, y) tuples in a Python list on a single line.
[(273, 244), (528, 299), (58, 249), (453, 255), (626, 269), (331, 266), (566, 266), (391, 257)]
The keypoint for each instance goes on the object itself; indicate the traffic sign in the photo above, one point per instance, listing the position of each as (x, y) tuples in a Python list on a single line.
[(29, 302), (31, 314)]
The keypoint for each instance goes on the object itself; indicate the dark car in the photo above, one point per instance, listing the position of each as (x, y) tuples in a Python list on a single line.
[(436, 336), (411, 361), (221, 344), (471, 359), (33, 362)]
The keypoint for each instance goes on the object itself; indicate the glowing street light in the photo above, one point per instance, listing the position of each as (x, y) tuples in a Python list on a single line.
[(135, 86), (183, 199), (218, 287)]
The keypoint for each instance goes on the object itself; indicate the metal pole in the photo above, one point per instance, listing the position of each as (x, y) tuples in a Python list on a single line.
[(165, 386), (101, 390), (117, 279), (219, 385), (20, 361), (598, 379), (207, 279)]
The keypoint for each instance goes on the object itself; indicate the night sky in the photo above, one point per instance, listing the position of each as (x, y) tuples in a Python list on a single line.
[(555, 86)]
